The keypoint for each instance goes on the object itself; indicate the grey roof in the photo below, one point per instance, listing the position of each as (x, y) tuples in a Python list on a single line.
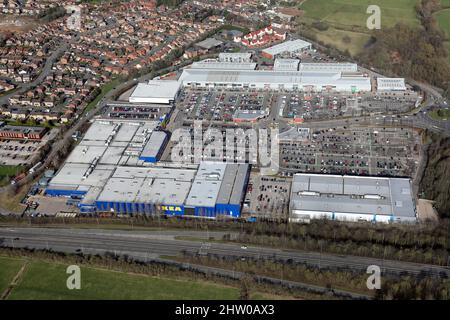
[(288, 46), (154, 144), (104, 157), (148, 185), (155, 91), (227, 184), (295, 134), (164, 191), (70, 176), (275, 77), (286, 64), (347, 194), (214, 64), (249, 114), (205, 188), (241, 56), (391, 84), (209, 43), (21, 129), (239, 184), (329, 67)]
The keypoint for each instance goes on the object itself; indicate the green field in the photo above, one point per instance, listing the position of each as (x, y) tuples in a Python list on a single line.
[(445, 3), (443, 114), (443, 17), (8, 269), (335, 37), (348, 18), (8, 171), (347, 13), (44, 280)]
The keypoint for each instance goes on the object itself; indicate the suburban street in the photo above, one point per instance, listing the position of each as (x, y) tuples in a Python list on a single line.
[(153, 244), (56, 54)]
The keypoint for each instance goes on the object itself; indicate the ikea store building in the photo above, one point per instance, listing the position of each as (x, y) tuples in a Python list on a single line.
[(116, 169)]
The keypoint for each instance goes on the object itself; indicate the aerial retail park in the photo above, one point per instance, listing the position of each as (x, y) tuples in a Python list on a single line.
[(124, 164)]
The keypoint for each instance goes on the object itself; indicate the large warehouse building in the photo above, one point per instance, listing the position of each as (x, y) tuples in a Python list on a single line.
[(235, 57), (348, 198), (328, 67), (288, 47), (236, 72), (216, 64), (155, 91), (113, 170), (286, 64), (391, 84), (277, 80), (106, 145)]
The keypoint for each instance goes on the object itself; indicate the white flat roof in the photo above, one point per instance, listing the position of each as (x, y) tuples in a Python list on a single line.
[(329, 67), (206, 186), (154, 144), (391, 84), (274, 77), (123, 136), (235, 55), (209, 43), (156, 172), (286, 65), (148, 185), (155, 91), (86, 154), (349, 194), (208, 64), (163, 191), (287, 46), (71, 176)]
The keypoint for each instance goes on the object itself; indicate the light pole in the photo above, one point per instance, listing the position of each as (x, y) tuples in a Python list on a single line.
[(320, 257)]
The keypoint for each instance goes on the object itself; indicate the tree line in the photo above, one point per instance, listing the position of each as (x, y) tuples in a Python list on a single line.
[(417, 53), (392, 287), (423, 243), (435, 182)]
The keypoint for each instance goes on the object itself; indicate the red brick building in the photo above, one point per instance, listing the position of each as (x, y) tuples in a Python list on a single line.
[(19, 132)]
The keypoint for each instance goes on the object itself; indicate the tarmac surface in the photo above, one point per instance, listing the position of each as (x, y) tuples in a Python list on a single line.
[(153, 244)]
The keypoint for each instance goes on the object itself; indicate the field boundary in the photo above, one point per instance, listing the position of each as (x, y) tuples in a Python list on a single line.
[(15, 281)]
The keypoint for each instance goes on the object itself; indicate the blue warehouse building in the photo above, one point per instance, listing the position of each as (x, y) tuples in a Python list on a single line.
[(208, 191), (218, 189), (116, 169), (154, 148)]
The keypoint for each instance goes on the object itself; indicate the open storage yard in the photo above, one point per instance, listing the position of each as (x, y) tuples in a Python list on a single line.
[(269, 197)]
